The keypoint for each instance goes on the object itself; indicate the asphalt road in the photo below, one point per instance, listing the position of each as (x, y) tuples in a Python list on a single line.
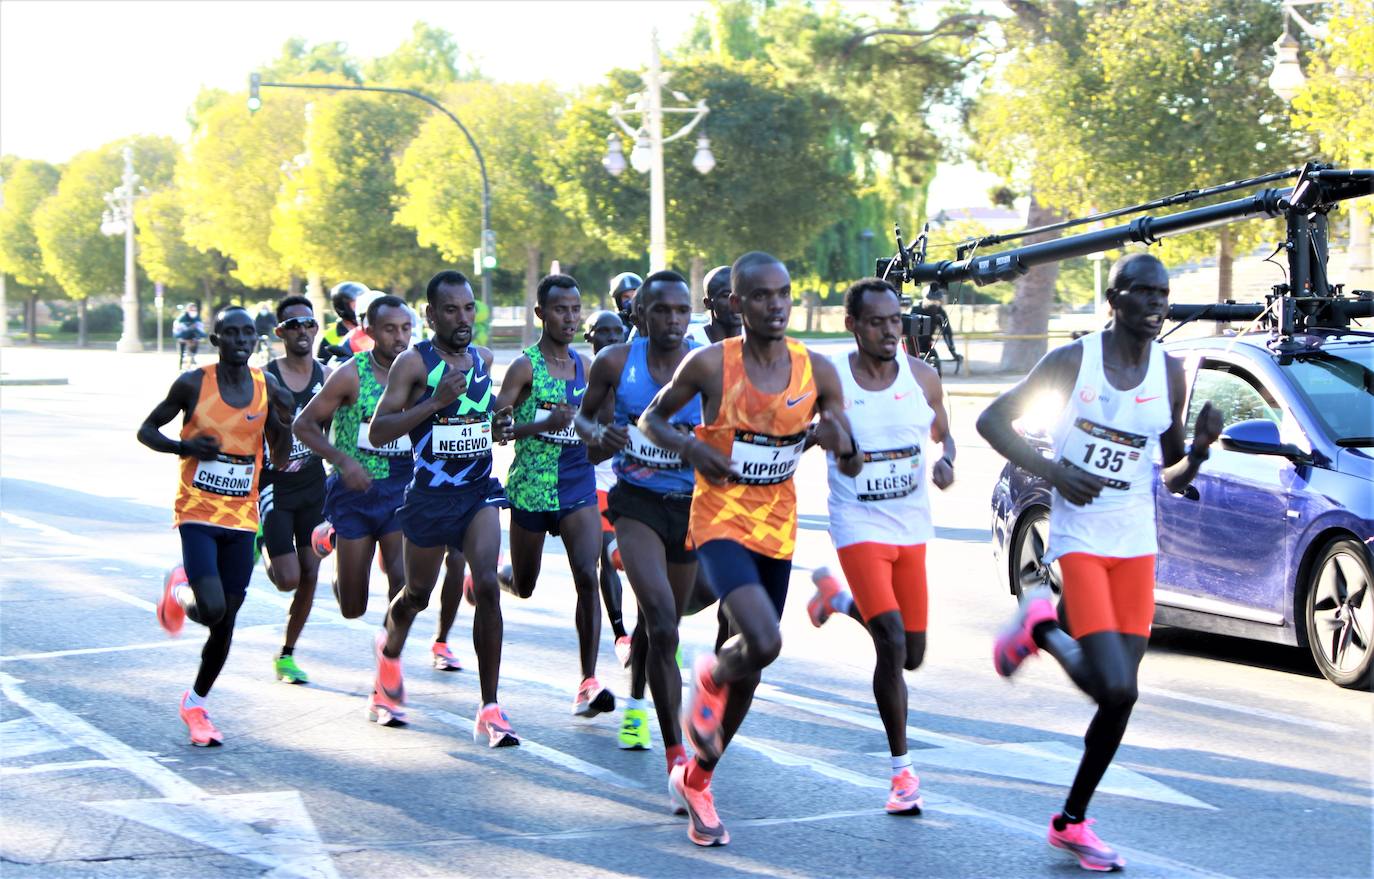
[(1240, 760)]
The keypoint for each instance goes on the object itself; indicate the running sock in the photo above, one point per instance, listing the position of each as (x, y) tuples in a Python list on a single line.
[(193, 699), (287, 651), (697, 778), (633, 703), (1064, 819), (901, 762), (675, 754)]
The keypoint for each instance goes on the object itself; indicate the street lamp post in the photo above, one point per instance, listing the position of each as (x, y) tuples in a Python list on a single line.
[(1287, 80), (118, 219), (488, 239), (648, 150)]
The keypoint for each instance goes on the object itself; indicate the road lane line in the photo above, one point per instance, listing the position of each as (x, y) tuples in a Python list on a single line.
[(73, 766), (147, 645)]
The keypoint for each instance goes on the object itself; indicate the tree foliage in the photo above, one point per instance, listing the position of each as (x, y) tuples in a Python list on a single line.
[(1336, 104), (429, 58), (163, 251), (82, 259), (27, 183)]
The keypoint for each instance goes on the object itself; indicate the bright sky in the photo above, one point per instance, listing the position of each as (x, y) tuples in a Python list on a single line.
[(75, 74)]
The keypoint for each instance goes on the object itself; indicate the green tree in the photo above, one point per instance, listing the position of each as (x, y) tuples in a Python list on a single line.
[(300, 59), (168, 259), (27, 183), (83, 260), (429, 58), (1104, 104), (335, 214)]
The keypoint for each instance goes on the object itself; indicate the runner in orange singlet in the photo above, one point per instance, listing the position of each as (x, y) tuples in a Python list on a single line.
[(759, 393), (228, 407)]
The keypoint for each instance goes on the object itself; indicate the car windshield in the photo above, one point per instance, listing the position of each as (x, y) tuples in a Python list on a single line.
[(1338, 383)]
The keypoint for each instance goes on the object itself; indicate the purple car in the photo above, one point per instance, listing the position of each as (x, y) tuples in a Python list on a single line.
[(1274, 539)]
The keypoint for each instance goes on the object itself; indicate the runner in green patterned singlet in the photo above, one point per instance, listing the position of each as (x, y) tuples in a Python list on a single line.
[(551, 485)]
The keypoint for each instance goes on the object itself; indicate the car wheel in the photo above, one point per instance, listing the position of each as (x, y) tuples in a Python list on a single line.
[(1028, 569), (1340, 614)]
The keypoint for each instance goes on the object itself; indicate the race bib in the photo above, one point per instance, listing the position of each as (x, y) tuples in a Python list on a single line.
[(888, 474), (761, 459), (565, 437), (299, 451), (646, 453), (229, 475), (461, 436), (1114, 456), (397, 448)]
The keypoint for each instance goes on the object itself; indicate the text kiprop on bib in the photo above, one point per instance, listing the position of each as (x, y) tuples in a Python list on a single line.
[(1114, 456), (887, 474), (397, 448), (760, 459), (229, 475), (565, 437), (646, 453), (460, 436)]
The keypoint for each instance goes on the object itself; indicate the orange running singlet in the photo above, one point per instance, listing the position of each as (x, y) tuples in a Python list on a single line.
[(224, 491), (764, 435)]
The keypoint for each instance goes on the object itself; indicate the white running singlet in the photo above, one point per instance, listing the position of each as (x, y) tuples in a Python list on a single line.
[(1114, 435), (888, 501), (605, 476)]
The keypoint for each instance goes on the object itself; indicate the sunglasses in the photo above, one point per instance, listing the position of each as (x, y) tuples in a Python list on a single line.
[(298, 323)]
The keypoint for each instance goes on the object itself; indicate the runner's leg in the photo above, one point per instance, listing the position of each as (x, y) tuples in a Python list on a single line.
[(451, 594), (611, 589), (393, 563), (526, 558), (353, 574), (581, 532), (481, 547), (421, 573)]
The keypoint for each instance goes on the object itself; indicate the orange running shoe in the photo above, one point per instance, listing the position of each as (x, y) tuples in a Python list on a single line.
[(197, 720), (170, 614), (383, 711), (592, 699), (322, 539), (703, 709), (390, 682), (495, 725), (703, 824), (905, 797), (821, 605)]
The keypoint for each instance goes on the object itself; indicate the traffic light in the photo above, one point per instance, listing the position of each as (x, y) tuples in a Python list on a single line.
[(489, 249), (254, 102)]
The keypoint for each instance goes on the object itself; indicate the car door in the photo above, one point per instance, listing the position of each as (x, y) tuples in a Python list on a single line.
[(1223, 544)]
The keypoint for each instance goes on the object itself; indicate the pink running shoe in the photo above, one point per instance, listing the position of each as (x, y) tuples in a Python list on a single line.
[(703, 824), (622, 650), (678, 803), (469, 593), (322, 539), (821, 605), (1080, 841), (443, 658), (197, 720), (390, 682), (703, 709), (170, 614), (905, 796), (493, 723), (1015, 643), (592, 699), (383, 711)]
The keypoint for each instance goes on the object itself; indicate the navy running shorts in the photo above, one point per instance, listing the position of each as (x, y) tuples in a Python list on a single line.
[(547, 520), (730, 565), (212, 551), (441, 518), (359, 514)]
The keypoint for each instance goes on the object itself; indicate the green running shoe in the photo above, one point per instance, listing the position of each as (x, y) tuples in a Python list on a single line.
[(634, 730), (288, 671)]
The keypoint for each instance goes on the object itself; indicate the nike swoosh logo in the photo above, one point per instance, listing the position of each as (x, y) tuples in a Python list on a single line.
[(251, 417), (1140, 399), (792, 402), (902, 396), (579, 392)]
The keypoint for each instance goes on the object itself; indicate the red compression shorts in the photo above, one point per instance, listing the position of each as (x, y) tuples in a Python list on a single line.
[(601, 504), (884, 578), (1108, 594)]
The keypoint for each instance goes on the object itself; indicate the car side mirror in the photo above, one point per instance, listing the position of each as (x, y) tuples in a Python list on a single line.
[(1258, 436)]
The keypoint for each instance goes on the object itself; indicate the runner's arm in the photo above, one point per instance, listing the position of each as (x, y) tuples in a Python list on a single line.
[(180, 398), (929, 380), (694, 376), (1180, 465), (598, 405), (515, 387), (340, 389), (280, 410), (833, 432), (393, 419)]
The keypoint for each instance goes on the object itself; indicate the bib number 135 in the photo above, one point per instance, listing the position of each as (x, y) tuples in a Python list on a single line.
[(1104, 457)]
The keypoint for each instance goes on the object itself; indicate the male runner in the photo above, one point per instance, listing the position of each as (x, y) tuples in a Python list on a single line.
[(551, 483), (291, 499), (880, 520), (1124, 399), (652, 498), (758, 394), (439, 393), (368, 481), (725, 322), (229, 407), (605, 328)]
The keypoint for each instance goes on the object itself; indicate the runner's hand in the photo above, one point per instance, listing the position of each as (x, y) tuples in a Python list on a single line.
[(450, 387), (502, 425), (1208, 428), (614, 438), (559, 418), (355, 477), (202, 448), (1074, 485), (831, 436), (942, 474), (709, 462)]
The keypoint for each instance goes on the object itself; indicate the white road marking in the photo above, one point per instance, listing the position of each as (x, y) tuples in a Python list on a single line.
[(1265, 713), (272, 829), (25, 737), (146, 645), (42, 768), (1043, 762)]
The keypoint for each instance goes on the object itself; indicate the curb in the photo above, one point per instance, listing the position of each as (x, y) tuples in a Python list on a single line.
[(12, 382)]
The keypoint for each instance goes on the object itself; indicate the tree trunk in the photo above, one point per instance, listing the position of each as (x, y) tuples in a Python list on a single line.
[(531, 286), (319, 300), (696, 273), (1226, 259), (1030, 307), (31, 318), (293, 286), (81, 322)]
